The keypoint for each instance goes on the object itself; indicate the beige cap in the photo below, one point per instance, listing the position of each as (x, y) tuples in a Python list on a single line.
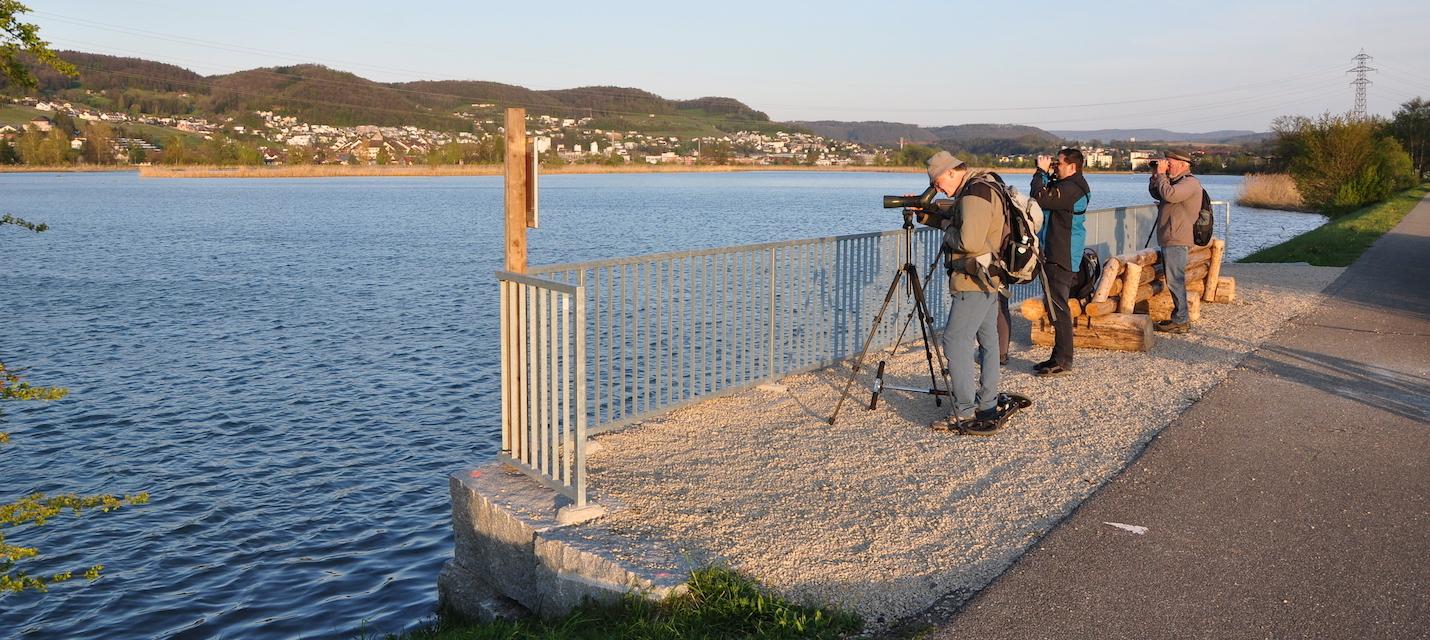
[(1176, 154), (941, 162)]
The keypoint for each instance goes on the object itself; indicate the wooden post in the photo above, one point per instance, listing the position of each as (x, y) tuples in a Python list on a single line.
[(517, 191), (1214, 270)]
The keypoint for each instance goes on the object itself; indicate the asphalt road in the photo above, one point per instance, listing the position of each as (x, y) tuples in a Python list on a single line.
[(1290, 502)]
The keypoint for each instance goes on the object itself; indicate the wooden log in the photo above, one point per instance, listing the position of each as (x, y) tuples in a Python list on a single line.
[(1225, 290), (1118, 331), (1110, 270), (1103, 308), (1143, 258), (1214, 269), (1150, 273), (1033, 308), (1159, 307), (1131, 279)]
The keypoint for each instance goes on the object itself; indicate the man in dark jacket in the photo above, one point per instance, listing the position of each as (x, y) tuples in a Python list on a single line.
[(1179, 200), (1063, 193)]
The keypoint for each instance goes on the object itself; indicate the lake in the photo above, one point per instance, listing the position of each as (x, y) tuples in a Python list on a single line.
[(292, 367)]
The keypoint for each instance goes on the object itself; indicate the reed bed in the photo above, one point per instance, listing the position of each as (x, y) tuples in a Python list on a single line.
[(1271, 191)]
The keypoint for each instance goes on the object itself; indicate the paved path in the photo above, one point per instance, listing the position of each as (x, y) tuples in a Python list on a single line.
[(1291, 502)]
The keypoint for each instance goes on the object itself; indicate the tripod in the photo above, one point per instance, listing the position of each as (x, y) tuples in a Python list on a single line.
[(931, 348)]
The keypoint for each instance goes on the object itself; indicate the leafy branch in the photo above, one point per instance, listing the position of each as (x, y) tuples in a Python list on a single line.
[(37, 227)]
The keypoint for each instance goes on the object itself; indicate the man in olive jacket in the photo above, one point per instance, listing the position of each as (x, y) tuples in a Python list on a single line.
[(1179, 199), (1063, 193), (973, 230)]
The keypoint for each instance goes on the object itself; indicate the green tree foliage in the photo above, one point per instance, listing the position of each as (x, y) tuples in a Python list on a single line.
[(913, 155), (98, 144), (1411, 126), (43, 148), (8, 154), (716, 153), (18, 38), (488, 151), (1341, 163)]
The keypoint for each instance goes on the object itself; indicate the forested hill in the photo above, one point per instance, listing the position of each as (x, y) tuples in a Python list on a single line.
[(971, 138), (320, 95)]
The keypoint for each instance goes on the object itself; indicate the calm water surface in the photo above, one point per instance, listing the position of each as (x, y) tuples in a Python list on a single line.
[(292, 367)]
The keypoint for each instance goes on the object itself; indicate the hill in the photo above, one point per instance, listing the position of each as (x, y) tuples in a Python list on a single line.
[(321, 95), (1231, 136), (996, 139)]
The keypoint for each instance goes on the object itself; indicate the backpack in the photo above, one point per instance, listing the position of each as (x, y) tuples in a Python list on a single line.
[(1018, 259), (1202, 228), (1089, 271)]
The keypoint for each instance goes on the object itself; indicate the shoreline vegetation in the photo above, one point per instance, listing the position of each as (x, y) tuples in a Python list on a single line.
[(1341, 241), (1272, 191), (717, 603)]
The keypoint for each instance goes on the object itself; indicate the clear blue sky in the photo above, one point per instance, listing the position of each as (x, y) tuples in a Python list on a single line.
[(1188, 66)]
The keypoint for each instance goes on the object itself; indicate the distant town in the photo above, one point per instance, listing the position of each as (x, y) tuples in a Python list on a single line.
[(63, 131)]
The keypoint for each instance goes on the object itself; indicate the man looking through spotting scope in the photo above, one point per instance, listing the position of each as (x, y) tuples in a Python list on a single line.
[(1179, 200), (973, 230), (1062, 191)]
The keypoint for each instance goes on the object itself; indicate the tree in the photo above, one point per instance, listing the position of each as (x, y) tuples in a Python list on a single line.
[(35, 509), (1340, 162), (98, 144), (1411, 126), (19, 37)]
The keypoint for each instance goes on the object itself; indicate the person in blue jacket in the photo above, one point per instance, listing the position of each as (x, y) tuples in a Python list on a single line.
[(1063, 193)]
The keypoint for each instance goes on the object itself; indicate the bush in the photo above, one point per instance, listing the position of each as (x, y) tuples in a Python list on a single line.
[(1341, 163)]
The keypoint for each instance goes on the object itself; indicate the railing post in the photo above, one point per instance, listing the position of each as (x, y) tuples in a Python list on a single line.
[(770, 335)]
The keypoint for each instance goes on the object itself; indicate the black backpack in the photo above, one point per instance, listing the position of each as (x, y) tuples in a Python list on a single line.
[(1202, 228), (1088, 273)]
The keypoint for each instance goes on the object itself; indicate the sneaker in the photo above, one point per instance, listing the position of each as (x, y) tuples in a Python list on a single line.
[(949, 424), (1053, 370), (1167, 326), (980, 426)]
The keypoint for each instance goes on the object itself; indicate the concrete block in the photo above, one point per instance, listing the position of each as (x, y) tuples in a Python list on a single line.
[(512, 548)]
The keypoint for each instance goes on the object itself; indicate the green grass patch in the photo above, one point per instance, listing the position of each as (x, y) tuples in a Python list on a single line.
[(17, 115), (1339, 242), (718, 604)]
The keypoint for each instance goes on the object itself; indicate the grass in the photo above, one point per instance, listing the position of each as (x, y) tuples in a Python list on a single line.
[(1270, 191), (718, 604), (1339, 242)]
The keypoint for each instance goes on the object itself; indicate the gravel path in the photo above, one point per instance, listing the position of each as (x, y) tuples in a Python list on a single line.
[(884, 516)]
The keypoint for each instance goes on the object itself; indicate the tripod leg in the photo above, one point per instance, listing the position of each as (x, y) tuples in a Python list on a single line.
[(873, 329), (926, 327)]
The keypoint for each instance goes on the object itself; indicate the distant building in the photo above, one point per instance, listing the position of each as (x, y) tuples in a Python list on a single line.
[(42, 125)]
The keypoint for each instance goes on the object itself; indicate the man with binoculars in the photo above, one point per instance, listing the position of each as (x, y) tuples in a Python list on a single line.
[(1062, 191)]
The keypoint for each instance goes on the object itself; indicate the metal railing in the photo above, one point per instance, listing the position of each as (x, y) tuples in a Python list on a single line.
[(641, 336), (543, 372)]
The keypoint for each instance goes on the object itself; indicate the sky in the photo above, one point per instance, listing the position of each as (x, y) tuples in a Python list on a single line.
[(1185, 66)]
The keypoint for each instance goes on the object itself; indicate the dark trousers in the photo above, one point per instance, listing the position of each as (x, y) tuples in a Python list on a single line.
[(1005, 328), (1059, 287)]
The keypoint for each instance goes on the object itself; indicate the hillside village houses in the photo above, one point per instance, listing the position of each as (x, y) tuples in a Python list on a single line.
[(571, 139)]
